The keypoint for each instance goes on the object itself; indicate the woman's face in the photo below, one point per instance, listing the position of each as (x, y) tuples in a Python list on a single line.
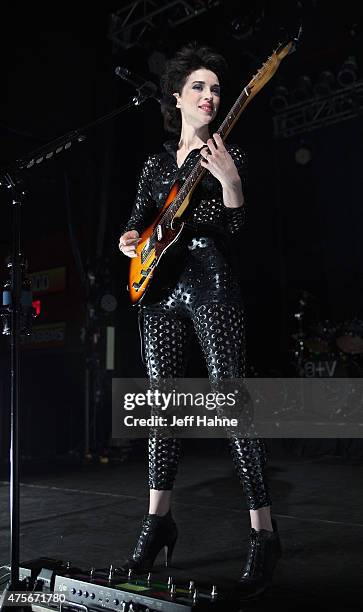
[(200, 97)]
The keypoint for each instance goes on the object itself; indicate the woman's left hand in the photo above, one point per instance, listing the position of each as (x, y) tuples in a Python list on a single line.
[(219, 162)]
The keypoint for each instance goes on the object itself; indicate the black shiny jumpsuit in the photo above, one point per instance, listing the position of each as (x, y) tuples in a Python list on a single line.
[(206, 297)]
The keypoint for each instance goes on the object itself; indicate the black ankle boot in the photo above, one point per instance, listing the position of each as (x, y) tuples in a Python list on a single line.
[(263, 554), (157, 532)]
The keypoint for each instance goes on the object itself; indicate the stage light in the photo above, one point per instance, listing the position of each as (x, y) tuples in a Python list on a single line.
[(279, 100), (303, 89), (348, 73), (241, 29), (108, 302), (325, 83), (303, 155)]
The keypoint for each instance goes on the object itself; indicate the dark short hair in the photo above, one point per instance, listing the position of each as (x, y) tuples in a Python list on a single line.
[(177, 69)]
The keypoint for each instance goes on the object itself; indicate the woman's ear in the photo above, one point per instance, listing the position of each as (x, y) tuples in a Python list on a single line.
[(176, 95)]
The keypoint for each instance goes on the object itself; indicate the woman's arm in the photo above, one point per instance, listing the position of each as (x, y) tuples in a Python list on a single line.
[(142, 210)]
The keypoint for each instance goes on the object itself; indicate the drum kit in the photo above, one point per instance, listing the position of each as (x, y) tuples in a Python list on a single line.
[(326, 349)]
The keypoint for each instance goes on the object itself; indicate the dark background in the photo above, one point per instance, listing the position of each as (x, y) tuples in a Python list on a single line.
[(304, 221)]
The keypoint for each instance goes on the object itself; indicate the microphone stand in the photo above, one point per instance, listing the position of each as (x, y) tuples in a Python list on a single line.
[(17, 306)]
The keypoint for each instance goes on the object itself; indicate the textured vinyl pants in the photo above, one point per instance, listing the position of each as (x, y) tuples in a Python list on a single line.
[(206, 300)]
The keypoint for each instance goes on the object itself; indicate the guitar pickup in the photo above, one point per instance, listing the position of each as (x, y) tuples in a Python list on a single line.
[(137, 286), (148, 270), (159, 232)]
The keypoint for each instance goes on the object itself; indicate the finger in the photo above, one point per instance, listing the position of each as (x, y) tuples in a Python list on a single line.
[(128, 241), (127, 244), (219, 141), (212, 146), (129, 247), (132, 234), (205, 152), (129, 252)]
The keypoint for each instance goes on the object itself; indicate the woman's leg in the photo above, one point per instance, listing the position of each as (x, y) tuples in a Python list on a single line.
[(165, 343), (165, 340), (220, 329)]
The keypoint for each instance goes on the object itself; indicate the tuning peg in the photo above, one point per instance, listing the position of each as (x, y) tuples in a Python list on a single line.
[(191, 585), (214, 592), (170, 582), (129, 575), (148, 579), (195, 595), (92, 573)]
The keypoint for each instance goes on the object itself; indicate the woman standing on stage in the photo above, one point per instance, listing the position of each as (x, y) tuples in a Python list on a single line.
[(206, 300)]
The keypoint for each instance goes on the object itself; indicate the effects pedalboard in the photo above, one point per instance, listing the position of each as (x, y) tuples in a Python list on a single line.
[(71, 589)]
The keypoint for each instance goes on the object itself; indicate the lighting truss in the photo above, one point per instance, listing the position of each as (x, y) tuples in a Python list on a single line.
[(129, 24), (337, 106)]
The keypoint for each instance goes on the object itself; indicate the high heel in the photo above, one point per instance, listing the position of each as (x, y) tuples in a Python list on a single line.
[(263, 555), (157, 532), (168, 551)]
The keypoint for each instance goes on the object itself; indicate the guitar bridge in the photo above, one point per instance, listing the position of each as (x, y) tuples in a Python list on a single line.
[(144, 274)]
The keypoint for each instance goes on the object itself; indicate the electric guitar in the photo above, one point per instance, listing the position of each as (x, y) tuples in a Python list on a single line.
[(166, 229)]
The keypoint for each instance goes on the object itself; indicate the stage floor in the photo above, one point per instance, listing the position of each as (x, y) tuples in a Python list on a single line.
[(90, 515)]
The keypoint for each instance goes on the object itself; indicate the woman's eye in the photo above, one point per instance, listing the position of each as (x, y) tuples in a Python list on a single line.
[(215, 91)]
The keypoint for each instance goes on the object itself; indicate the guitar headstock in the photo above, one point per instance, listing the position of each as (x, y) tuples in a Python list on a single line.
[(268, 68), (262, 76)]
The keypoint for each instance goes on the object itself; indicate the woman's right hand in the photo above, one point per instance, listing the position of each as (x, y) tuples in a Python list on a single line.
[(128, 242)]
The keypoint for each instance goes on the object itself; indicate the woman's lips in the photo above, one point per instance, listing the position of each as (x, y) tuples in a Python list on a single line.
[(206, 108)]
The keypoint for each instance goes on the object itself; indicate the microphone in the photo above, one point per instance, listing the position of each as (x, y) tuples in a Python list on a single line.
[(147, 87)]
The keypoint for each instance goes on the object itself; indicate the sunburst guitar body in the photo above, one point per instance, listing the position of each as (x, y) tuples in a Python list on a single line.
[(154, 242)]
